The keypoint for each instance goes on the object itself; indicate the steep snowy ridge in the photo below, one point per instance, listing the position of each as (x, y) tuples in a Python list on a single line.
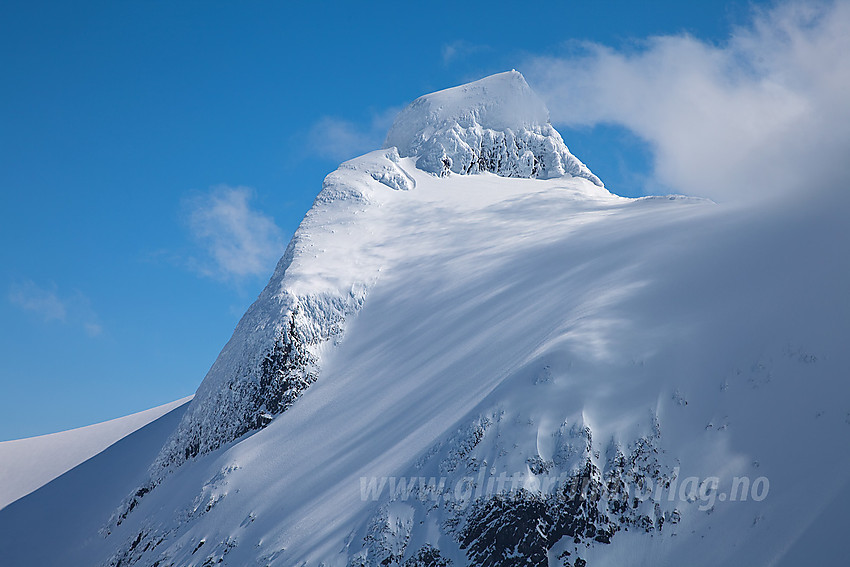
[(274, 354), (321, 280), (497, 124)]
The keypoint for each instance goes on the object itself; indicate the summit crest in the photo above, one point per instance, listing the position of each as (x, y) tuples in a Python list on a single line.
[(497, 124)]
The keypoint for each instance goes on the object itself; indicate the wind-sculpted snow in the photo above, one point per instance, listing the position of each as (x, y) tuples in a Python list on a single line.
[(496, 124)]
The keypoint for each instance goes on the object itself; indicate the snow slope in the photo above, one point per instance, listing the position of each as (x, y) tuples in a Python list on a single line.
[(27, 464), (655, 353), (54, 524), (513, 320)]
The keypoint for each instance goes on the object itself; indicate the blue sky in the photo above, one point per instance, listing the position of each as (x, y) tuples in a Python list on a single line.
[(140, 140)]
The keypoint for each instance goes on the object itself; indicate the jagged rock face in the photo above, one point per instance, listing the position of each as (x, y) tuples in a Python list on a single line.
[(537, 152), (256, 389), (562, 505), (255, 393), (497, 125), (283, 373)]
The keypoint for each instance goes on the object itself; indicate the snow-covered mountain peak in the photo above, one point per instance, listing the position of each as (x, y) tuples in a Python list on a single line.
[(498, 102), (453, 370), (496, 124)]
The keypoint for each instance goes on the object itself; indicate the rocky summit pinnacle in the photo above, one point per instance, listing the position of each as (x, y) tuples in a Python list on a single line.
[(497, 124)]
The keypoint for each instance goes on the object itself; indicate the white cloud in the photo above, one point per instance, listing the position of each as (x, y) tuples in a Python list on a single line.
[(93, 329), (339, 140), (764, 113), (47, 303), (460, 49), (43, 302), (238, 241)]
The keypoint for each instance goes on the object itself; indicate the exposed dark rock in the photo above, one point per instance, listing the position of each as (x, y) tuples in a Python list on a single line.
[(286, 373), (520, 527), (427, 556)]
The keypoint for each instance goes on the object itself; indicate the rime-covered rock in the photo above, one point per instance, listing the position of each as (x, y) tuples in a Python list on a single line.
[(497, 124)]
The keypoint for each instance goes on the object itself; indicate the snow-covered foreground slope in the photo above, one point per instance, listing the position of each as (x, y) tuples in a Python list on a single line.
[(27, 464), (532, 327), (495, 371), (56, 524)]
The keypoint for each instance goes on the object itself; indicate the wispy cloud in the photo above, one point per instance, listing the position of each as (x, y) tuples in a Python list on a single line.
[(460, 49), (93, 329), (764, 113), (47, 303), (237, 240), (41, 301), (338, 139)]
